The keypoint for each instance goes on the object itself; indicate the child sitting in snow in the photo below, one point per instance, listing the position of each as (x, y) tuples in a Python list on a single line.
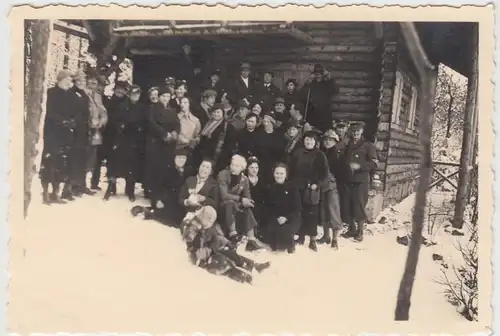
[(210, 249)]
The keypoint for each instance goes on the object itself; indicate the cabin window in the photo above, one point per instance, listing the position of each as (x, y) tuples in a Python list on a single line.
[(405, 103)]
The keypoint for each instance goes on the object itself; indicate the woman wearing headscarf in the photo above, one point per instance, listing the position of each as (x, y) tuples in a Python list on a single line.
[(283, 206), (217, 140), (58, 137), (309, 171), (163, 131), (270, 146), (153, 95)]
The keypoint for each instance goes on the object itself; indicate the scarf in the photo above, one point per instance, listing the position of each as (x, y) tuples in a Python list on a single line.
[(220, 142), (292, 142), (210, 127)]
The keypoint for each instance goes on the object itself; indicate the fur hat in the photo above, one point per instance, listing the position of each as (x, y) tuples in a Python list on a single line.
[(63, 74)]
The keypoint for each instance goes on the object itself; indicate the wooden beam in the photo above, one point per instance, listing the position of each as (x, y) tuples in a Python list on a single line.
[(415, 48), (88, 28), (471, 110), (379, 30), (441, 180), (446, 178)]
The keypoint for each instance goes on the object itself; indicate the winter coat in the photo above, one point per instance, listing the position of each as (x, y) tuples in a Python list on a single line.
[(270, 150), (266, 94), (127, 132), (363, 153), (219, 147), (210, 191), (248, 142), (308, 167), (319, 108)]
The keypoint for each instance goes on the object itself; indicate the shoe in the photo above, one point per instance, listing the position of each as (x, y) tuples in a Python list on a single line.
[(67, 195), (324, 240), (335, 244), (300, 240), (131, 198), (262, 266), (359, 234), (252, 246), (113, 189), (46, 198), (291, 249), (95, 187), (87, 191), (107, 194), (234, 240), (313, 246), (359, 237), (54, 198), (350, 234)]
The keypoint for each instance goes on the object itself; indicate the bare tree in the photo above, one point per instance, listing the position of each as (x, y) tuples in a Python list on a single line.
[(38, 35)]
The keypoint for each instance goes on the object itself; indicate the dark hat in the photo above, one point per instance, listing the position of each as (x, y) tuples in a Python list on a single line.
[(135, 89), (170, 81), (180, 82), (245, 66), (318, 68), (341, 124), (121, 84), (215, 72), (293, 123), (218, 106), (153, 88), (162, 90), (291, 80), (279, 100), (331, 134), (182, 151), (252, 159), (243, 103), (209, 93), (312, 134), (357, 125), (271, 115)]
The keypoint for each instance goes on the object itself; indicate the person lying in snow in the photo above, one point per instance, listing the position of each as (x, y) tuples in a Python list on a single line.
[(208, 248)]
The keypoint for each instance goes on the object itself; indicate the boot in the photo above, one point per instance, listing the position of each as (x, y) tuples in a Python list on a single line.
[(300, 240), (260, 267), (109, 191), (129, 190), (45, 197), (113, 189), (313, 246), (291, 249), (351, 232), (252, 246), (67, 193), (95, 186), (335, 239), (326, 237), (54, 198), (87, 191), (359, 235)]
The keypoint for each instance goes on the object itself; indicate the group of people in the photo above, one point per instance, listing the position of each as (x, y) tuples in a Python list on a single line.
[(239, 160)]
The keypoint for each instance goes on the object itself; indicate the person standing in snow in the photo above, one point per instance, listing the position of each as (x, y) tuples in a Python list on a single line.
[(360, 161)]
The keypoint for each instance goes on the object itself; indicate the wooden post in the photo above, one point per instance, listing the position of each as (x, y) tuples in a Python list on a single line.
[(428, 87), (33, 109), (468, 134), (428, 80)]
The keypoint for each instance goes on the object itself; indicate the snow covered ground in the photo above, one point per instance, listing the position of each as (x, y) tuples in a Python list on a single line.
[(89, 266)]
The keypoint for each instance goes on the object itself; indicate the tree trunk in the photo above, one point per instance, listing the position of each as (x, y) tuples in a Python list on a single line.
[(468, 136), (449, 117), (408, 278), (34, 86)]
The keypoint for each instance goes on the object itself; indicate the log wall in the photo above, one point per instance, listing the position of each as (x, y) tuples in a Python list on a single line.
[(349, 50), (404, 149)]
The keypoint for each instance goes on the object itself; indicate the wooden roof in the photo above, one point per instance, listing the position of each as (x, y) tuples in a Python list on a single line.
[(444, 42)]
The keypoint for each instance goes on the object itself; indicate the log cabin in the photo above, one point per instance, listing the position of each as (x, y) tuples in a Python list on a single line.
[(379, 82)]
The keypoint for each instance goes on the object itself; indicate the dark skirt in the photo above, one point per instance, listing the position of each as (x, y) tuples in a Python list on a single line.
[(310, 220), (55, 166), (280, 237)]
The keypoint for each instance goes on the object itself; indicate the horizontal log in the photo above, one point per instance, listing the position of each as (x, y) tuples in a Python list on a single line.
[(399, 144), (403, 136), (364, 83), (352, 116), (355, 108), (363, 33), (351, 40), (384, 117), (313, 49), (404, 153), (348, 25), (403, 176), (402, 160), (279, 65), (355, 91), (398, 168), (339, 99), (316, 57)]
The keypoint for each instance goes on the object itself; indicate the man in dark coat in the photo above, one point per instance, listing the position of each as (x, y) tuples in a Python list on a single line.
[(127, 128), (81, 149), (243, 87), (337, 165), (214, 82), (58, 137), (317, 95), (266, 92), (360, 160)]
